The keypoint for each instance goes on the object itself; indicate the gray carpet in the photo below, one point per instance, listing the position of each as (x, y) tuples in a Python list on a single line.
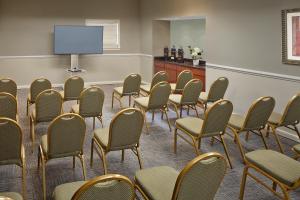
[(156, 149)]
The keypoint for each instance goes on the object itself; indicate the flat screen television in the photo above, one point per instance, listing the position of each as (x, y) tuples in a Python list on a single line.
[(78, 39)]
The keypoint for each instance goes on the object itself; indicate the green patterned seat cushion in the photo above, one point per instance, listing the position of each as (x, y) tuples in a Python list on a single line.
[(279, 166), (158, 183), (119, 90), (275, 118), (67, 190), (142, 101), (175, 98), (146, 88), (236, 121), (75, 109), (102, 136), (203, 97), (193, 125), (11, 195), (297, 148)]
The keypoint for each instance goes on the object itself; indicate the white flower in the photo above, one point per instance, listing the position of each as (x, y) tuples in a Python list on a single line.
[(197, 50)]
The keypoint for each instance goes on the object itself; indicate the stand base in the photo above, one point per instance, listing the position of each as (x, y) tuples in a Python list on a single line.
[(74, 70)]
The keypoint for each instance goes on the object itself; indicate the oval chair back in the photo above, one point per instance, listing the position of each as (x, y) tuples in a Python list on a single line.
[(11, 142), (218, 89), (73, 87), (48, 105), (183, 78), (216, 117), (38, 86), (91, 102), (259, 113), (159, 77), (131, 85), (8, 106), (65, 135), (291, 115), (191, 92), (200, 178), (9, 86), (125, 129), (159, 95), (108, 187)]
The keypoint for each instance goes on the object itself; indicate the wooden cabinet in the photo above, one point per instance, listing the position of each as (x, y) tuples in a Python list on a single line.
[(174, 69)]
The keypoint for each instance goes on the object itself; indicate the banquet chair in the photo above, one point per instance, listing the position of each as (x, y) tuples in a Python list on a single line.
[(158, 77), (182, 79)]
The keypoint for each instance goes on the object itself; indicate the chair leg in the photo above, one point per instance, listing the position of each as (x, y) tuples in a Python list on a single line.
[(139, 157), (297, 131), (103, 158), (237, 140), (188, 110), (24, 191), (268, 131), (196, 111), (92, 153), (247, 136), (274, 186), (176, 110), (168, 120), (196, 146), (73, 162), (93, 123), (123, 155), (44, 177), (263, 139), (101, 121), (39, 159), (212, 140), (112, 100), (145, 119), (81, 157), (277, 139), (226, 151), (180, 111), (27, 108), (152, 115), (175, 140), (243, 183), (32, 131), (129, 101)]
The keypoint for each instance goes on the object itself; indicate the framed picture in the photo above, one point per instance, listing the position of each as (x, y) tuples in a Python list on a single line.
[(291, 36)]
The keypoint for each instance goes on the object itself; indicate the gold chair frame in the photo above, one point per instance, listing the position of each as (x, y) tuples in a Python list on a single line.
[(100, 179), (182, 174), (257, 132), (196, 141), (43, 158), (163, 110), (102, 151), (285, 188), (22, 159), (16, 102)]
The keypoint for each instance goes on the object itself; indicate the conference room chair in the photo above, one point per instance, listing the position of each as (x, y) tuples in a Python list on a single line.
[(131, 87), (9, 86), (12, 151), (123, 133), (213, 125), (254, 121), (90, 104), (64, 138), (216, 92), (189, 97), (182, 79), (106, 187), (72, 88), (280, 169), (199, 179), (8, 106), (157, 100), (158, 77), (36, 87), (289, 119), (296, 149), (48, 106), (10, 196)]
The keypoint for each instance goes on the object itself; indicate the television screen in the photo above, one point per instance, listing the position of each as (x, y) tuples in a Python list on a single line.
[(78, 39)]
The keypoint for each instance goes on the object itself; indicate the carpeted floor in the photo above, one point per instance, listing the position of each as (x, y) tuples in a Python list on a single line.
[(156, 149)]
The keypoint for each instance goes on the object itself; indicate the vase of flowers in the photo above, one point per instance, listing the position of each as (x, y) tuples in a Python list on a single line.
[(196, 54)]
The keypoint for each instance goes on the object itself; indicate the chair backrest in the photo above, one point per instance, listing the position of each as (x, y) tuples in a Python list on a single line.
[(106, 187), (259, 113), (201, 178), (66, 135), (216, 117), (159, 77), (183, 78), (291, 115), (9, 86), (218, 89), (38, 86), (73, 87), (8, 106), (159, 95), (191, 92), (10, 142), (48, 105), (131, 85), (125, 129), (91, 102)]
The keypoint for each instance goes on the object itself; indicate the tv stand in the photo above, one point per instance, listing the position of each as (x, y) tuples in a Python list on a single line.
[(74, 64)]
